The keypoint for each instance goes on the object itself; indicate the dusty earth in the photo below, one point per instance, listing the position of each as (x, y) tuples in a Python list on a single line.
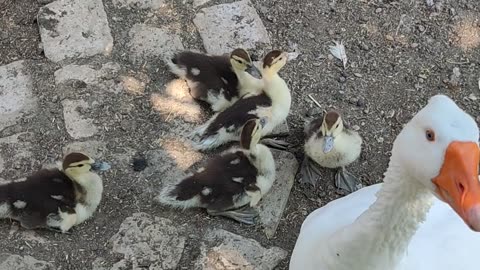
[(399, 54)]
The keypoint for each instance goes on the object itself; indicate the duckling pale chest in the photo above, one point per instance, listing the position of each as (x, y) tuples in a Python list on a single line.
[(346, 149)]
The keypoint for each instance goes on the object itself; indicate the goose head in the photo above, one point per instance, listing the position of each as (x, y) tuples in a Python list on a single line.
[(251, 133), (274, 61), (77, 164), (241, 61), (439, 148), (332, 126)]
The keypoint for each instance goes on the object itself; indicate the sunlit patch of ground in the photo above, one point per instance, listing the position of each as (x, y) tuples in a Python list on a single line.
[(466, 33)]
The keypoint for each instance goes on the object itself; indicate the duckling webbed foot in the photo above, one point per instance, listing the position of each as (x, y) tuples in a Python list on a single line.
[(346, 181), (309, 172), (273, 143), (245, 214)]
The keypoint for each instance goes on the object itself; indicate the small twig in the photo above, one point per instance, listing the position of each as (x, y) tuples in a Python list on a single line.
[(314, 101), (400, 23), (458, 63)]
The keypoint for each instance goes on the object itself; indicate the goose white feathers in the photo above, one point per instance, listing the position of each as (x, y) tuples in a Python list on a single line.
[(404, 223)]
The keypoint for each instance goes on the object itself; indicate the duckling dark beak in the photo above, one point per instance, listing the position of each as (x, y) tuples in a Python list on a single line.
[(100, 166), (253, 70), (328, 144)]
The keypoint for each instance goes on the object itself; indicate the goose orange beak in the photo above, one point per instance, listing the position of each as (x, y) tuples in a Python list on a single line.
[(458, 182)]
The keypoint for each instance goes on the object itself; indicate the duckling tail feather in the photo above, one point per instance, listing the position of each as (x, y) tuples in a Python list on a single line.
[(179, 195)]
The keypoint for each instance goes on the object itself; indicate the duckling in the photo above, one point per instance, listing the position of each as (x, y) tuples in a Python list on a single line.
[(218, 80), (231, 183), (55, 199), (332, 145), (272, 105)]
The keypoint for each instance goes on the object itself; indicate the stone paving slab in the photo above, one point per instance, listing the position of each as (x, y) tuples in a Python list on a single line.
[(148, 242), (139, 4), (65, 32), (274, 202), (147, 42), (221, 249), (228, 26), (16, 97), (11, 261), (77, 125)]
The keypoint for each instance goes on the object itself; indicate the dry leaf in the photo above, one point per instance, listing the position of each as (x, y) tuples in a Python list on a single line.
[(339, 52)]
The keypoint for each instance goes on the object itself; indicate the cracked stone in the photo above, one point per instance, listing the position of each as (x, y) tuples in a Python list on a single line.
[(148, 43), (77, 125), (12, 261), (65, 32), (197, 3), (16, 96), (148, 242), (221, 249), (273, 204), (236, 25), (139, 4)]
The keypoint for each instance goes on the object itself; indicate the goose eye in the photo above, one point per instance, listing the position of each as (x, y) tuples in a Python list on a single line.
[(430, 135)]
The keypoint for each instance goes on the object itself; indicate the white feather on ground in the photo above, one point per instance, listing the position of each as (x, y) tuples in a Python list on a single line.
[(339, 52)]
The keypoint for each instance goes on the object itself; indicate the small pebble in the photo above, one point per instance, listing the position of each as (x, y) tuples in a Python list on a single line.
[(331, 32), (472, 97), (139, 164), (342, 79), (358, 75), (310, 35), (361, 102), (421, 28), (356, 127), (353, 100), (389, 37), (380, 140), (414, 45), (378, 10), (364, 46)]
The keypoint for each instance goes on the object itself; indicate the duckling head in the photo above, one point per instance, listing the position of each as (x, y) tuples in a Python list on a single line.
[(273, 62), (241, 61), (78, 164), (251, 133), (332, 126)]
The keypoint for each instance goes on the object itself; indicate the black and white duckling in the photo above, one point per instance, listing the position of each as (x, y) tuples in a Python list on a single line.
[(272, 105), (231, 183), (218, 80), (330, 144), (55, 199)]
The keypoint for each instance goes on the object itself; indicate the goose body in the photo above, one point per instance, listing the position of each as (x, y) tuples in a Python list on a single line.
[(236, 178), (218, 80), (272, 105), (419, 217), (330, 144), (56, 199)]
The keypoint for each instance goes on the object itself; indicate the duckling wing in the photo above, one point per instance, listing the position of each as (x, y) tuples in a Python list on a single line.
[(313, 127), (234, 117), (205, 74), (43, 193), (221, 183)]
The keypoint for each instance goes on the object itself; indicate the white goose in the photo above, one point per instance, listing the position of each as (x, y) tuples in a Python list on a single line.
[(403, 224)]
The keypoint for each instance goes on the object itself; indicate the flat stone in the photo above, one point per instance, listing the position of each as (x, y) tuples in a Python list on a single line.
[(147, 43), (92, 148), (274, 202), (280, 130), (16, 97), (74, 29), (148, 242), (12, 261), (197, 3), (221, 249), (77, 125), (228, 26), (103, 78), (139, 4), (2, 164)]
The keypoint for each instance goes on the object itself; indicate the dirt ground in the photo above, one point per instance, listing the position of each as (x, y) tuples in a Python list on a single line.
[(400, 53)]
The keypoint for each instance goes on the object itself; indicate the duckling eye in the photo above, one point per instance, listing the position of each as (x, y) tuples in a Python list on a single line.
[(81, 165), (239, 61), (430, 135)]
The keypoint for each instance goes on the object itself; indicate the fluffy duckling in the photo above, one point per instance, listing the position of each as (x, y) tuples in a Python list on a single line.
[(55, 199), (272, 105), (330, 144), (218, 80), (231, 183)]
